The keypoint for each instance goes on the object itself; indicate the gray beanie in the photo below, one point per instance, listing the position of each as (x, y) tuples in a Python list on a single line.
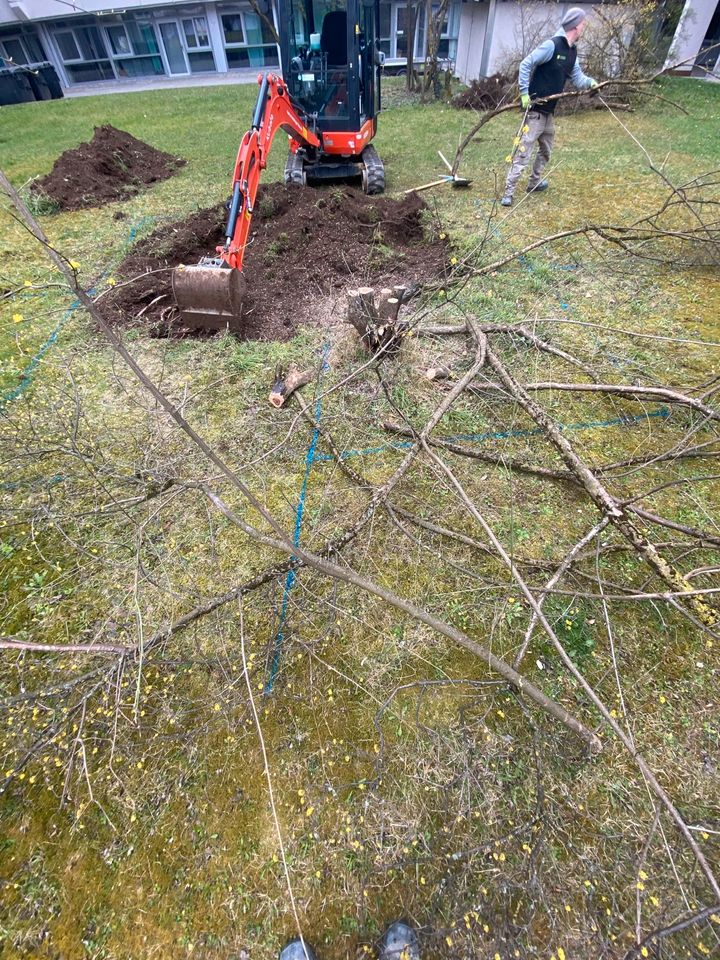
[(572, 18)]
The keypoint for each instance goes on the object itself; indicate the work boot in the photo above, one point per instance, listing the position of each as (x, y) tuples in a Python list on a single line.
[(506, 200), (399, 942), (294, 951), (539, 187)]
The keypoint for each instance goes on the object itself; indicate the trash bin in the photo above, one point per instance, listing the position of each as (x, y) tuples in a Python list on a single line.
[(14, 87), (49, 76), (37, 81)]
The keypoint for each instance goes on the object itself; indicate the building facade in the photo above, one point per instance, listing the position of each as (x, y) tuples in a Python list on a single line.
[(140, 39), (695, 50), (495, 34)]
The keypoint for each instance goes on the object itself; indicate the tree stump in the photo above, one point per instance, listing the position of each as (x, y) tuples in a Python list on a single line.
[(376, 317)]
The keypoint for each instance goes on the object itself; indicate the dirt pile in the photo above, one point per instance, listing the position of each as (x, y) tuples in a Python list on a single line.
[(306, 244), (112, 166), (485, 94)]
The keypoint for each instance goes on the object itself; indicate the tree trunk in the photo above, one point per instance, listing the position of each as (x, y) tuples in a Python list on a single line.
[(431, 76), (412, 15)]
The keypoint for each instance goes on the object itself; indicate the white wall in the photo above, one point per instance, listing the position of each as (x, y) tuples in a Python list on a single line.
[(471, 39), (690, 33)]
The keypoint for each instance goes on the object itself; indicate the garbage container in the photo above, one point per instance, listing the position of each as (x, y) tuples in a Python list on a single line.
[(38, 84), (48, 73), (14, 87)]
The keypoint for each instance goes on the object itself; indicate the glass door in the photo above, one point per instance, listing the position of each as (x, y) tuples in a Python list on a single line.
[(173, 46)]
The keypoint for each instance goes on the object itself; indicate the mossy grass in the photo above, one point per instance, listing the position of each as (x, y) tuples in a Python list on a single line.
[(408, 780)]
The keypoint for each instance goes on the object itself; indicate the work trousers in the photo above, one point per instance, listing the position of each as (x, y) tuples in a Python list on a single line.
[(541, 130)]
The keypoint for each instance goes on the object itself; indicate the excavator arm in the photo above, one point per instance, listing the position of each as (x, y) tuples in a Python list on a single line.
[(273, 112), (209, 295)]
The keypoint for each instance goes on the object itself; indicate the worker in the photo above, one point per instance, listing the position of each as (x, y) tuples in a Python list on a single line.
[(399, 942), (544, 73)]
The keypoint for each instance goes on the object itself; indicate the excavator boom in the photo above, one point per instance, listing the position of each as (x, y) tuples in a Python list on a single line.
[(209, 294)]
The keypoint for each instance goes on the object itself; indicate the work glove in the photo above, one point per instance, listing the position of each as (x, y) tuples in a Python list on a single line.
[(525, 100), (593, 87)]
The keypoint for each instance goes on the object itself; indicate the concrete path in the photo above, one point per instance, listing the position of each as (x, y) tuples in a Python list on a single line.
[(248, 75)]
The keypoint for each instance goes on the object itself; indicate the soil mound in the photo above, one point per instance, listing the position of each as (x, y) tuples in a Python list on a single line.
[(114, 165), (306, 244), (485, 94)]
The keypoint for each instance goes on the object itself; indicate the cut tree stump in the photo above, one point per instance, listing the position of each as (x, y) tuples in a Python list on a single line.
[(376, 317)]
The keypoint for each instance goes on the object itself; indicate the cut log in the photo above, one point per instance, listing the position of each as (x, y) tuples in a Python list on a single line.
[(287, 382)]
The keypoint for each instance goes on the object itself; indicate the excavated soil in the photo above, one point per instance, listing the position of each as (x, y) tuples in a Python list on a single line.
[(112, 166), (306, 246)]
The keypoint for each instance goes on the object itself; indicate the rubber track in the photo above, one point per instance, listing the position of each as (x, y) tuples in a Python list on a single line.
[(294, 174), (375, 170)]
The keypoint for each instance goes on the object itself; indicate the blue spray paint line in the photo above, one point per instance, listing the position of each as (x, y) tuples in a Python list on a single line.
[(39, 483), (29, 371), (662, 413), (310, 458)]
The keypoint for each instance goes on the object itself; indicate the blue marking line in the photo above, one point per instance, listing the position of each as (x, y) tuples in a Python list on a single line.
[(663, 413), (292, 574)]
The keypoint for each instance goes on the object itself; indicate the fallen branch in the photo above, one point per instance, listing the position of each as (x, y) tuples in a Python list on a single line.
[(286, 382)]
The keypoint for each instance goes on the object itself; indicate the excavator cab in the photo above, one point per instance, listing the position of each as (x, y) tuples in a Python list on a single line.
[(331, 63)]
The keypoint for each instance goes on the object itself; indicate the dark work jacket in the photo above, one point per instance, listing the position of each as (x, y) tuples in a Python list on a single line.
[(550, 78)]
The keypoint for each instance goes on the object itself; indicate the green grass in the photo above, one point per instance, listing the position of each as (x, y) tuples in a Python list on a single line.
[(408, 781)]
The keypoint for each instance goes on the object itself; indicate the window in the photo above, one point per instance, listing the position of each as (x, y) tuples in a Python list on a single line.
[(385, 30), (81, 43), (68, 48), (249, 40), (82, 49), (196, 33), (447, 48), (142, 38), (233, 28), (119, 41), (20, 48), (87, 72), (12, 50), (134, 48)]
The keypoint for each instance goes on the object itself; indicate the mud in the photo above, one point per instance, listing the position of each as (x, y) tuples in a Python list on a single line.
[(307, 245), (112, 166)]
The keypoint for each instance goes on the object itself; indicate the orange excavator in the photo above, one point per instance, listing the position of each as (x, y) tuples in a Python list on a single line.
[(327, 103)]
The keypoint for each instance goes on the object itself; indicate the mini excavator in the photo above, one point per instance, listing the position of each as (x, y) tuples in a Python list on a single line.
[(327, 102)]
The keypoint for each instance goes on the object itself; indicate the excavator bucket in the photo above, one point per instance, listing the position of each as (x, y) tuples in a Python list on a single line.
[(210, 296)]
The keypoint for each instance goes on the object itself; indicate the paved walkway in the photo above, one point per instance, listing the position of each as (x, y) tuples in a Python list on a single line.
[(248, 75)]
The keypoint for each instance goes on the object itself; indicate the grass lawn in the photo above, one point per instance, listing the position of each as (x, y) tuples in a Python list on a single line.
[(408, 781)]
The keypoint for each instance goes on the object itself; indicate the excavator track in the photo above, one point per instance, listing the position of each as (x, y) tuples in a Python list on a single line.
[(373, 171), (294, 170)]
